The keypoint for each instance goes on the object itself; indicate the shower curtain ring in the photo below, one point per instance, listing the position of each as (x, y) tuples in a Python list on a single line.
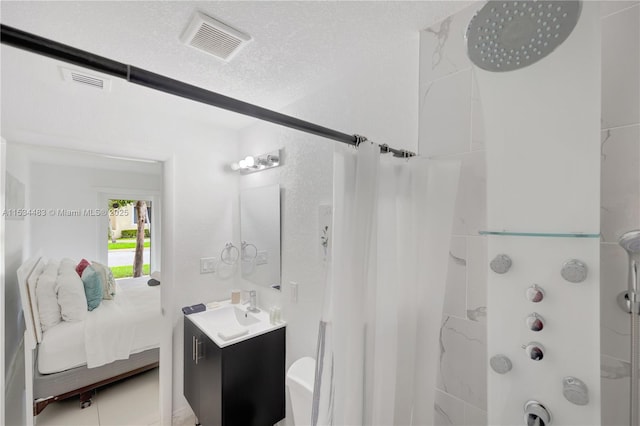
[(359, 139)]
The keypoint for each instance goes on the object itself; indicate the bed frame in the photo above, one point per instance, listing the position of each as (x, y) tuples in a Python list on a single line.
[(82, 381), (48, 388)]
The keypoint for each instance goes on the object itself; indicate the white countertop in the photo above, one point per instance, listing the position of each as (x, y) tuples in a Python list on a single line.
[(223, 317)]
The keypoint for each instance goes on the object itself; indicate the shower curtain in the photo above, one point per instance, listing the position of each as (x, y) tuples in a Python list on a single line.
[(378, 343)]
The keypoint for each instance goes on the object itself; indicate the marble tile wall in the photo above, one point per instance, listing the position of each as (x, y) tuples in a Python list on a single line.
[(620, 197), (451, 126)]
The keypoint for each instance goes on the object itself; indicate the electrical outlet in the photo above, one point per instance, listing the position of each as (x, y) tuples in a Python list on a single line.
[(294, 292), (207, 265)]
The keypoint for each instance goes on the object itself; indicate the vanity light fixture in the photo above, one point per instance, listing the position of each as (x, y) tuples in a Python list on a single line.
[(257, 163)]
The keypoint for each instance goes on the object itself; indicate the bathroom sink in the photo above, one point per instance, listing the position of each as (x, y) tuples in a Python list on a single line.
[(228, 324), (231, 315)]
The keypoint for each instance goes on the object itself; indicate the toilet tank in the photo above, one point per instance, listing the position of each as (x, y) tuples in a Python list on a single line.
[(300, 379)]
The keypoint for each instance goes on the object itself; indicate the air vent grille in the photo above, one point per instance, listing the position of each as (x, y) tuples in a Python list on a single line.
[(214, 37), (81, 77), (85, 79)]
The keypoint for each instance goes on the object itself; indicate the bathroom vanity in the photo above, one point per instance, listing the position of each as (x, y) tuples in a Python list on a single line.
[(239, 381)]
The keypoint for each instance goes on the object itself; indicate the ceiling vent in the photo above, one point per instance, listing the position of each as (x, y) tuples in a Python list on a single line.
[(81, 77), (214, 37)]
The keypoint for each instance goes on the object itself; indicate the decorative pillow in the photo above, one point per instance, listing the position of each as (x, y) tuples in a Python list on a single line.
[(93, 285), (70, 289), (49, 310), (80, 268), (109, 283)]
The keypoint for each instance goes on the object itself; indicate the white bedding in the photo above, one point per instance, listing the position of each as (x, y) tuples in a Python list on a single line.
[(128, 324)]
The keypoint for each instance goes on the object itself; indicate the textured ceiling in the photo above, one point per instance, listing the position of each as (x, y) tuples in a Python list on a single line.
[(298, 48), (297, 45)]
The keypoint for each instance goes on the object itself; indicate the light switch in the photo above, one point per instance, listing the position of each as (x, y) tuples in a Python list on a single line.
[(294, 292), (207, 265)]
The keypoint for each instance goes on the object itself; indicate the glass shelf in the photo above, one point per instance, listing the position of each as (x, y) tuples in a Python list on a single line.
[(539, 234)]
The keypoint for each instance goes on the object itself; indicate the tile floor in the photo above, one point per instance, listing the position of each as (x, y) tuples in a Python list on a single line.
[(131, 402)]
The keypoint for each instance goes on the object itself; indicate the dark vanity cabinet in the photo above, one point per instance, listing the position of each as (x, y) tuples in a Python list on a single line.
[(240, 384)]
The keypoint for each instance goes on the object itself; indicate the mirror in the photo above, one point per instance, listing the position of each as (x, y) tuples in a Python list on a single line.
[(260, 235)]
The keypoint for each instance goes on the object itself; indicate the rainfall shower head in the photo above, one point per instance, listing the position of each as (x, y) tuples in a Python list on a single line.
[(509, 35)]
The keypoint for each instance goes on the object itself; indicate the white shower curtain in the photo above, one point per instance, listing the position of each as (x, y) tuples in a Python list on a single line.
[(378, 345)]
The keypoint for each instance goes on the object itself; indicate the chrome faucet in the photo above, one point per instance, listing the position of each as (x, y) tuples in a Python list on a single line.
[(252, 302)]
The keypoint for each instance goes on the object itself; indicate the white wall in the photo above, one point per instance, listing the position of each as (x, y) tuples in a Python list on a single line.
[(200, 213), (16, 246), (62, 187)]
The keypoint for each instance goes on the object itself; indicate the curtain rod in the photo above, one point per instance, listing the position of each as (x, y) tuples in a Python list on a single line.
[(52, 49)]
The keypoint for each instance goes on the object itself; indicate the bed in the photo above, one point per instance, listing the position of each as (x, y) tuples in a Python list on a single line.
[(118, 339)]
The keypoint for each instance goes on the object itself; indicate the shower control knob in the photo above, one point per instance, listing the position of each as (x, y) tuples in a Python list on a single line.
[(535, 294), (574, 271), (534, 350), (536, 414), (535, 322), (575, 391), (501, 364), (500, 264)]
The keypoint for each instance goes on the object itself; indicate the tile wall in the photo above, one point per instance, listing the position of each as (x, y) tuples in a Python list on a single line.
[(620, 197), (451, 125)]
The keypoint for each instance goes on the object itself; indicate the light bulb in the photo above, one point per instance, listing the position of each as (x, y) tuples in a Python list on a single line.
[(250, 161), (235, 166), (242, 164)]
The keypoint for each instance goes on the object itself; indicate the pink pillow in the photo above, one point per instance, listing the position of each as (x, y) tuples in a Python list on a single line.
[(81, 266)]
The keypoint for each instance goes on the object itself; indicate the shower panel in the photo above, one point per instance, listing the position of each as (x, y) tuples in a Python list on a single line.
[(537, 65)]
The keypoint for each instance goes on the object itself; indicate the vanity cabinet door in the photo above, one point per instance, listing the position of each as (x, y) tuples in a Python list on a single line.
[(210, 371), (202, 375), (253, 380), (191, 379)]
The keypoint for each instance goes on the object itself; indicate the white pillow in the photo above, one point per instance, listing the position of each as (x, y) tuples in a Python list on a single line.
[(71, 298), (46, 296)]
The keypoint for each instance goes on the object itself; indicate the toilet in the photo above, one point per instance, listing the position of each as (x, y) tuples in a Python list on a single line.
[(300, 378)]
